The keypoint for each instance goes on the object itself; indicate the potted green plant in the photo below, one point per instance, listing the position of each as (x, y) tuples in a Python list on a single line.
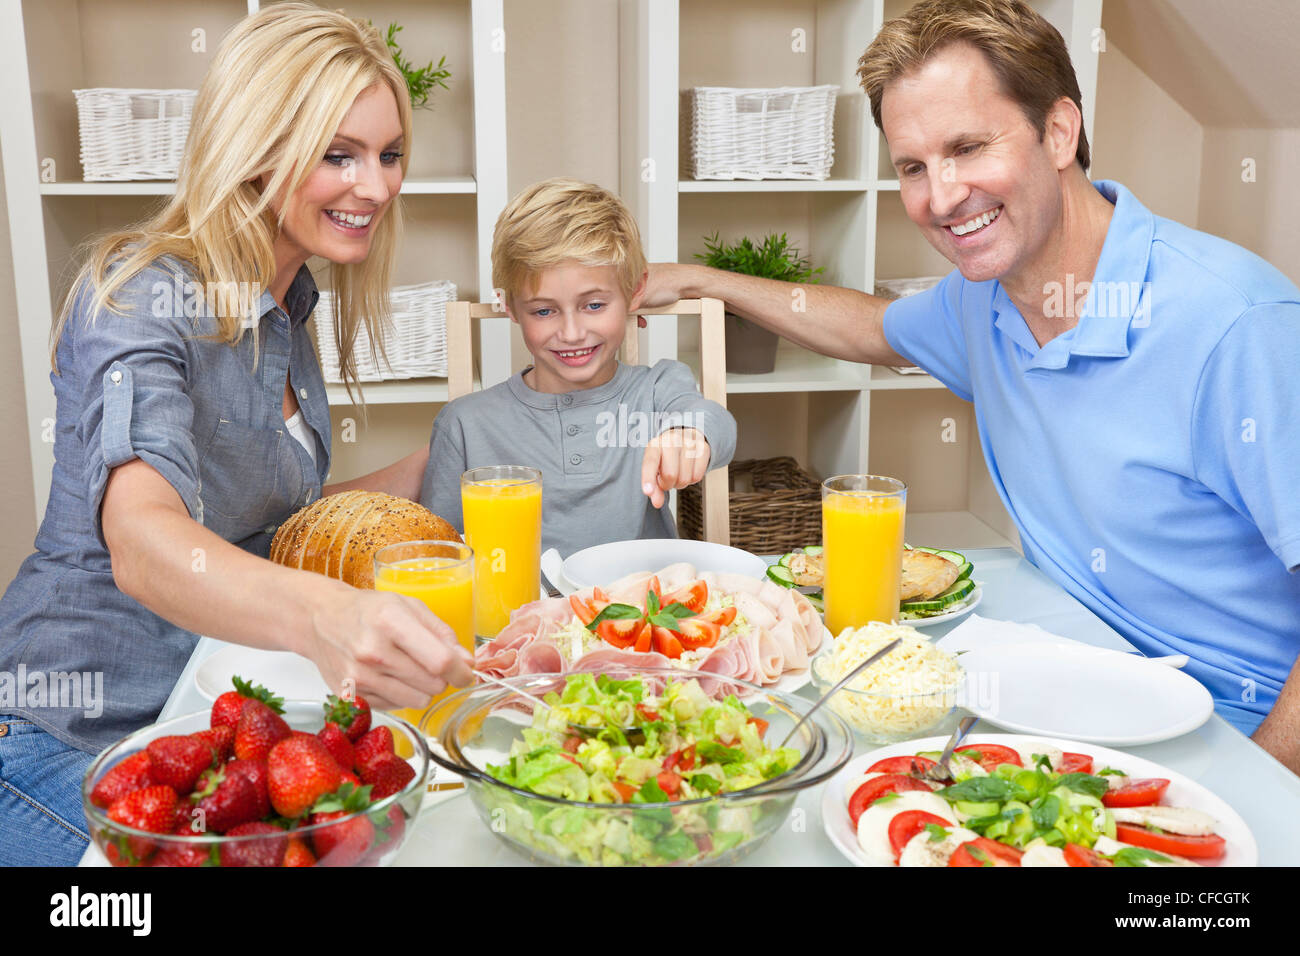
[(420, 82), (751, 349)]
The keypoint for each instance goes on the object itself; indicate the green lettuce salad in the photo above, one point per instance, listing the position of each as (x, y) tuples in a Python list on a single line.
[(637, 749)]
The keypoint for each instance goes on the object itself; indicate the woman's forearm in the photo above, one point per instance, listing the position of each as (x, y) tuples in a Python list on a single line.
[(402, 478)]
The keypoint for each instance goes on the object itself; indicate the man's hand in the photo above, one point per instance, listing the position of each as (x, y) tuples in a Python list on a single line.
[(663, 287), (677, 458)]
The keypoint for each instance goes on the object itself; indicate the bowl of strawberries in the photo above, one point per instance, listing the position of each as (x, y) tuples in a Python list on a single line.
[(259, 781)]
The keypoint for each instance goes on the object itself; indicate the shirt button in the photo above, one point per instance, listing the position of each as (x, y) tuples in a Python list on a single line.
[(575, 459), (116, 377), (567, 399), (573, 429), (303, 393), (4, 729)]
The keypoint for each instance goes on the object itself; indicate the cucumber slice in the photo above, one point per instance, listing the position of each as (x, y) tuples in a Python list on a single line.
[(784, 560), (781, 575), (813, 549), (964, 571), (959, 590)]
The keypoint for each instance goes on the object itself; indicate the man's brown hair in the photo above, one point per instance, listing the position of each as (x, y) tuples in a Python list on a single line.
[(1027, 54)]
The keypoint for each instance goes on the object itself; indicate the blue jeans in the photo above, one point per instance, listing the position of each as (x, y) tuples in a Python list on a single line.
[(41, 820)]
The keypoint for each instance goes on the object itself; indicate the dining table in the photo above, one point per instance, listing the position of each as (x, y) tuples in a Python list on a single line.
[(1261, 790)]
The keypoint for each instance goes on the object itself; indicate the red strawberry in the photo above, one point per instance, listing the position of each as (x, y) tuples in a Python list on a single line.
[(123, 777), (220, 739), (176, 762), (373, 744), (337, 743), (226, 800), (183, 853), (227, 708), (387, 774), (184, 812), (390, 827), (153, 809), (259, 729), (345, 842), (352, 778), (255, 771), (352, 717), (298, 854), (268, 851), (300, 771)]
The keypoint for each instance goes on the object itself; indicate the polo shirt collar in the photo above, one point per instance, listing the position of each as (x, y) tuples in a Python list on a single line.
[(566, 400), (1119, 291)]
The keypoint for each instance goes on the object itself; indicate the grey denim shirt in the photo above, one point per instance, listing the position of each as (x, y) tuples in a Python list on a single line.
[(78, 657)]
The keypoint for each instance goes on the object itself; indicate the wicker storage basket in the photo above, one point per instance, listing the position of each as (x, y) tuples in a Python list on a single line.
[(781, 133), (416, 345), (781, 513), (132, 134)]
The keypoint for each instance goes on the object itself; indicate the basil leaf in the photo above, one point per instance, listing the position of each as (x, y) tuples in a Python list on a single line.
[(651, 603), (1043, 762), (1085, 783), (982, 790), (1045, 814), (663, 619), (679, 610), (936, 832), (1111, 772), (1137, 856), (978, 855), (887, 798), (615, 612)]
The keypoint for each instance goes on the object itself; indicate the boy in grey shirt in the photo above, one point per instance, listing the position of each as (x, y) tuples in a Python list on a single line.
[(609, 439)]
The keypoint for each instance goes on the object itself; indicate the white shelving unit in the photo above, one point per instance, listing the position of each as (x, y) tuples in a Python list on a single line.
[(456, 186), (852, 224)]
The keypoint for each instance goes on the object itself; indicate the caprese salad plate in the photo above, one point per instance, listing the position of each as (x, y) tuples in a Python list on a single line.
[(1024, 801)]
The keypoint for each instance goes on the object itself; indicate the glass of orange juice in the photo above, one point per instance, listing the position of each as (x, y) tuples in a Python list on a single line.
[(439, 573), (862, 533), (502, 505)]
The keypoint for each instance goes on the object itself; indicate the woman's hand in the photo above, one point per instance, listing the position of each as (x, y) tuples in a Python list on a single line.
[(677, 458), (388, 647)]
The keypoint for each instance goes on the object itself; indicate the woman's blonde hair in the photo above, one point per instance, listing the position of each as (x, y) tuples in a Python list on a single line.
[(561, 220), (1027, 54), (277, 90)]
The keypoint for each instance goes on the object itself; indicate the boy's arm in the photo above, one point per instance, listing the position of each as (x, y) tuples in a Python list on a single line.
[(440, 489), (679, 403)]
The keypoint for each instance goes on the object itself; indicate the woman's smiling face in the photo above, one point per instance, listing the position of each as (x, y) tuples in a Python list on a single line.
[(334, 213)]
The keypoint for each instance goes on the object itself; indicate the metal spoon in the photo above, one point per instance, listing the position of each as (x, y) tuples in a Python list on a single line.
[(939, 771), (844, 680), (634, 735)]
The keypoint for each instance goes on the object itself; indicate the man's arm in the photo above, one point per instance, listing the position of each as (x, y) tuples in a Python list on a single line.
[(842, 323), (1279, 734)]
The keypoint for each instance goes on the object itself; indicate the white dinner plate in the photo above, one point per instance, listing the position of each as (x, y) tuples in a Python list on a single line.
[(609, 562), (1082, 693), (1182, 792), (964, 606), (283, 673)]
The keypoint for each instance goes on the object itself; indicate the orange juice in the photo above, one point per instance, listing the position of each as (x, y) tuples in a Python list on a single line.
[(862, 532), (446, 586), (503, 524)]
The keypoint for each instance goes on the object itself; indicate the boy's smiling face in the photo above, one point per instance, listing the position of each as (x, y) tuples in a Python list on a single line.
[(573, 323)]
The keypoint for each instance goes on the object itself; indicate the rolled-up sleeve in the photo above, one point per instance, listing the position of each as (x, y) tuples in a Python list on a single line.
[(679, 403), (133, 367)]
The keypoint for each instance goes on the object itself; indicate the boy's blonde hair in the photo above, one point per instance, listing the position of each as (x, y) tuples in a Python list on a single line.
[(560, 220), (277, 90)]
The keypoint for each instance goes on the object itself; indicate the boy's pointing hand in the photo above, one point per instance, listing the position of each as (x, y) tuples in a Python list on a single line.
[(675, 459)]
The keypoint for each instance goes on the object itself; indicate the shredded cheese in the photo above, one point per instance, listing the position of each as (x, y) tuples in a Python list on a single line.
[(908, 690)]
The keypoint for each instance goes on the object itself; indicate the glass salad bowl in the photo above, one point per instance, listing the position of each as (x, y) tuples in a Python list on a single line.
[(473, 731), (369, 837)]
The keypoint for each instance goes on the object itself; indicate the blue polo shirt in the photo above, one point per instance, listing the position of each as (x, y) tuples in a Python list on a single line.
[(1150, 456)]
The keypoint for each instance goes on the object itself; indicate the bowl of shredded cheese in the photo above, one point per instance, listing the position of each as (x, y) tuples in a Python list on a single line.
[(903, 695)]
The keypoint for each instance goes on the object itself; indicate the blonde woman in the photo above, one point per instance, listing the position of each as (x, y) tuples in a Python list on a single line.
[(192, 420)]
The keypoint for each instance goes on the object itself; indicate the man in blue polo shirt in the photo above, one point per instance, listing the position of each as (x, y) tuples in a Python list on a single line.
[(1135, 382)]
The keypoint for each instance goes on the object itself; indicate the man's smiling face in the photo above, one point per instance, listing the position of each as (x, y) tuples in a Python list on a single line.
[(974, 175)]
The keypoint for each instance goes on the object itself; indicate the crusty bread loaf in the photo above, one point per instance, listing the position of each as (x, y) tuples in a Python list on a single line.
[(339, 535)]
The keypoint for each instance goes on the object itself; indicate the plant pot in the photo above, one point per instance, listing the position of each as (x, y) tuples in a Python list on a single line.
[(751, 349)]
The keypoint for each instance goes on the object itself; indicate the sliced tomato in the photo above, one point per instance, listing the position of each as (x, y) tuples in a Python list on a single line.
[(990, 756), (653, 585), (695, 632), (760, 725), (587, 609), (1208, 847), (1075, 763), (908, 824), (572, 743), (877, 787), (666, 643), (644, 638), (669, 782), (1138, 792), (624, 633), (903, 764), (572, 759), (987, 853), (646, 712), (1076, 855), (721, 617), (625, 790), (686, 758), (693, 595)]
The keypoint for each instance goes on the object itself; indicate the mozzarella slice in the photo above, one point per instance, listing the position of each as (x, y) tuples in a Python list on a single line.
[(1028, 750), (1043, 855), (921, 850), (1108, 847), (873, 825), (851, 785), (1185, 820)]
